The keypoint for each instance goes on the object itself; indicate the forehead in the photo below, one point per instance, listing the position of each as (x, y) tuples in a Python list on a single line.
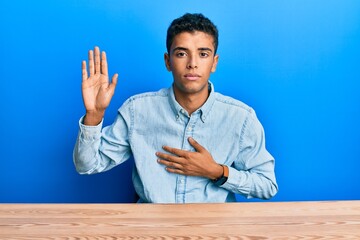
[(193, 40)]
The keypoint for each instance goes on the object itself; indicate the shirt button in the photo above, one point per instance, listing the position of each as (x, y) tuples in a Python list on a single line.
[(181, 181), (189, 128)]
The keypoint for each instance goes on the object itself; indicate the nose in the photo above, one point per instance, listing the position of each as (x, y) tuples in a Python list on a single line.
[(192, 63)]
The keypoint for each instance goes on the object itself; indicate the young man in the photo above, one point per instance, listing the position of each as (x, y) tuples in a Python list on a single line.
[(190, 144)]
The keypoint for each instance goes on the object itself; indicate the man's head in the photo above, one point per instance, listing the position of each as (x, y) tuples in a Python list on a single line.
[(192, 42), (191, 23)]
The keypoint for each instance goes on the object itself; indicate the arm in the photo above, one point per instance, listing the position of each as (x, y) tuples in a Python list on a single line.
[(252, 173), (95, 148), (98, 150)]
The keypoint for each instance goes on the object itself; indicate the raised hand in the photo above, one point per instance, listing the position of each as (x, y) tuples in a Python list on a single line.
[(97, 90)]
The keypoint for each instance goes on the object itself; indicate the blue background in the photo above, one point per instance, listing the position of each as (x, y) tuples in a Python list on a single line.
[(297, 63)]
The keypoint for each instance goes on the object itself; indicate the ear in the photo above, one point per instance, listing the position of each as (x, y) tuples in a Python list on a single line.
[(167, 61), (216, 59)]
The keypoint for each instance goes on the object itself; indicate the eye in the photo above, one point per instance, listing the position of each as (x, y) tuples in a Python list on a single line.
[(204, 54), (180, 54)]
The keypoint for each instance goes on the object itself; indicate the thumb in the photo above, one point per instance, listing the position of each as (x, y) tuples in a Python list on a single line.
[(114, 81)]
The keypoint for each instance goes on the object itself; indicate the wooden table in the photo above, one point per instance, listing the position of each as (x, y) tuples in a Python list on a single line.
[(269, 220)]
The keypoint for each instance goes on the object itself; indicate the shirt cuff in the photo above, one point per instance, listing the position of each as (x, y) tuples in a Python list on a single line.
[(89, 133), (234, 182)]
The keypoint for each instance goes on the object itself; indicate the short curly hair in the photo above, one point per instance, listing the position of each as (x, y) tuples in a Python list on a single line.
[(190, 23)]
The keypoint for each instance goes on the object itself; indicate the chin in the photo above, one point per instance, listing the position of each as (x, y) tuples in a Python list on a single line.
[(191, 87)]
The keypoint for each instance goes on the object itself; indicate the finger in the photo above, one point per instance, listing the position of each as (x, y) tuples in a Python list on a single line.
[(168, 157), (91, 63), (114, 81), (97, 60), (175, 170), (84, 72), (175, 151), (169, 164), (196, 145), (104, 66)]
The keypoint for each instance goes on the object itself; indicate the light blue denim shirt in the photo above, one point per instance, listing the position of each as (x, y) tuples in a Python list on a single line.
[(226, 127)]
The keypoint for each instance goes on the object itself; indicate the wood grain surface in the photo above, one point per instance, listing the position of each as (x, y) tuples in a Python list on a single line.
[(264, 220)]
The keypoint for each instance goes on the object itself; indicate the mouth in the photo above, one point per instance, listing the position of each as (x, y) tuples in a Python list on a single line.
[(192, 76)]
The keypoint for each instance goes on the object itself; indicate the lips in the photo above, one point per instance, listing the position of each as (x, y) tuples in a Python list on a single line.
[(192, 76)]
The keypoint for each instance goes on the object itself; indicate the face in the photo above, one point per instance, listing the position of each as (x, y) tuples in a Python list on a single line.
[(191, 61)]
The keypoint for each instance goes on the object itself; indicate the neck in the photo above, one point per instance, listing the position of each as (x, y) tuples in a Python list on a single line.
[(191, 101)]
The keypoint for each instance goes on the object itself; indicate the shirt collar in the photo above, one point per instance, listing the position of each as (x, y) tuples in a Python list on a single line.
[(204, 109)]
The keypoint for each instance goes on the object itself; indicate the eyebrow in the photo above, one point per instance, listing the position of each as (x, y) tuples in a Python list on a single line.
[(205, 49), (186, 49)]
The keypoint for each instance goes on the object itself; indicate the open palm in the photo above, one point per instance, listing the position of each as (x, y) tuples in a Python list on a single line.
[(97, 91)]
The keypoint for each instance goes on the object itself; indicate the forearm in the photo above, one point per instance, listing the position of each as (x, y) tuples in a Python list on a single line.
[(89, 155), (251, 184), (98, 150), (83, 161), (86, 152)]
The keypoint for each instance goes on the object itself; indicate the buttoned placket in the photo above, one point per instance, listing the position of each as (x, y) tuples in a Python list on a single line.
[(189, 125)]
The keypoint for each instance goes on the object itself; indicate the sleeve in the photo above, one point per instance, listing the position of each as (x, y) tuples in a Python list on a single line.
[(252, 173), (98, 150)]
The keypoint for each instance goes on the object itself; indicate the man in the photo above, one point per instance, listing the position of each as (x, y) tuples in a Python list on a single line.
[(190, 144)]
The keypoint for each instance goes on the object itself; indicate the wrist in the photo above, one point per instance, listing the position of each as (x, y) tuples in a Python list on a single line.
[(218, 172), (223, 178), (93, 118)]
